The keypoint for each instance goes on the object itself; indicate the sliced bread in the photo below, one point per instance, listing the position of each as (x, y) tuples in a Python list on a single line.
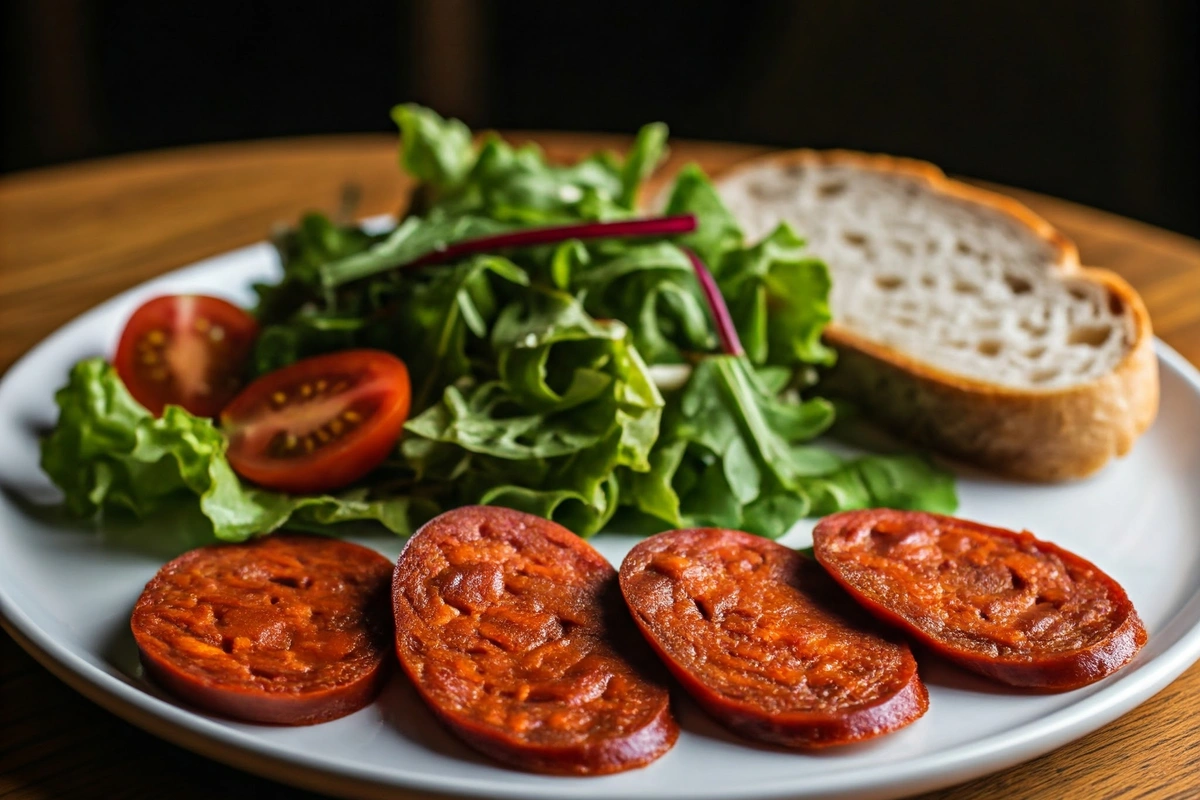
[(963, 320)]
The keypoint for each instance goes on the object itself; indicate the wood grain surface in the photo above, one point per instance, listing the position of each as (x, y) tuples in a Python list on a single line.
[(72, 236)]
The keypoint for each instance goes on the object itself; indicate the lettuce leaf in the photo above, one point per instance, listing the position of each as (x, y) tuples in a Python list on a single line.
[(109, 455)]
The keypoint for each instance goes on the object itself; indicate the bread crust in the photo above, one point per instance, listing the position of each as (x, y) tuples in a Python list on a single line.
[(1039, 435)]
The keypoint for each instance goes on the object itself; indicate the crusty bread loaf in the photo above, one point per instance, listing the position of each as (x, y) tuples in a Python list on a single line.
[(962, 319)]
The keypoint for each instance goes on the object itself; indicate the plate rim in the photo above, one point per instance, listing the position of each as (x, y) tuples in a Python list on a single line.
[(211, 739)]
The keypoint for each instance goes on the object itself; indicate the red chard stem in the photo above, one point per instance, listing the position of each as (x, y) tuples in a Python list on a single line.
[(726, 331), (529, 237)]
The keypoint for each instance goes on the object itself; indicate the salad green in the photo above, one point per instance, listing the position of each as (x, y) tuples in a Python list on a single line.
[(536, 371)]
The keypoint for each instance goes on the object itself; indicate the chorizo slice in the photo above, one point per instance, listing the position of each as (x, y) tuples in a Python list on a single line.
[(766, 642), (1005, 604), (513, 631), (286, 630)]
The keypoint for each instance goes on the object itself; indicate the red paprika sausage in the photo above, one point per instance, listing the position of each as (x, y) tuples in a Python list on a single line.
[(766, 642), (513, 631), (287, 630), (1019, 610)]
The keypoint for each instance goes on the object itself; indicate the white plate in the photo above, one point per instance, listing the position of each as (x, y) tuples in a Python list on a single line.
[(66, 594)]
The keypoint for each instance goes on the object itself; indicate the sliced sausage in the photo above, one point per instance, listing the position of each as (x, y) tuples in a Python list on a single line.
[(287, 630), (1017, 609), (766, 642), (513, 631)]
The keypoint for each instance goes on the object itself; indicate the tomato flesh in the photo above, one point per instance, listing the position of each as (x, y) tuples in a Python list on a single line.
[(318, 424), (185, 350)]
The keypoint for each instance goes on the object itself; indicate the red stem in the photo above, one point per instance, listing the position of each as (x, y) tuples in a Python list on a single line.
[(652, 226), (726, 331)]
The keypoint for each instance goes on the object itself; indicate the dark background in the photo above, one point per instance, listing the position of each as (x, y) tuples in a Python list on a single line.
[(1097, 101)]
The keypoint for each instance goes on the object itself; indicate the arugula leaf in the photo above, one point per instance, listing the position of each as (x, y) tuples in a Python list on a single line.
[(444, 310), (653, 493), (648, 151), (652, 288), (309, 332), (583, 513), (717, 232), (298, 317), (516, 185), (732, 454), (727, 442), (779, 297), (488, 420), (413, 238), (573, 403), (903, 481), (302, 252), (553, 355), (108, 454), (434, 150)]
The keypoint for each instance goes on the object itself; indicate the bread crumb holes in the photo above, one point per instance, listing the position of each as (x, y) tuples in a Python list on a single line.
[(1017, 284), (1091, 335), (989, 347)]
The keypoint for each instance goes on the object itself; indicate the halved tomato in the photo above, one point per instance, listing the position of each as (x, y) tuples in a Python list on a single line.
[(188, 350), (320, 423)]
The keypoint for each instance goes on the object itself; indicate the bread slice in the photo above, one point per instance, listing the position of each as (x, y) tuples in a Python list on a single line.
[(963, 320)]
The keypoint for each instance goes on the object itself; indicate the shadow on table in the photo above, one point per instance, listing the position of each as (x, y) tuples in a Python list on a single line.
[(64, 747)]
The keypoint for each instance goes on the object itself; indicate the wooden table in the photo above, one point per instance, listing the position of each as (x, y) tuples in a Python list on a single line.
[(72, 236)]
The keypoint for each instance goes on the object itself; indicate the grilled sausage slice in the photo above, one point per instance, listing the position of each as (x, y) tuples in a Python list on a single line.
[(513, 631), (1002, 603), (766, 642), (287, 630)]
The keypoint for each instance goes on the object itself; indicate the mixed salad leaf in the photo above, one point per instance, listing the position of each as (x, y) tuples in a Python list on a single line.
[(539, 374)]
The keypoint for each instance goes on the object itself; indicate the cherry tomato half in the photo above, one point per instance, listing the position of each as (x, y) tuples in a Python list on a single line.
[(320, 423), (188, 350)]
